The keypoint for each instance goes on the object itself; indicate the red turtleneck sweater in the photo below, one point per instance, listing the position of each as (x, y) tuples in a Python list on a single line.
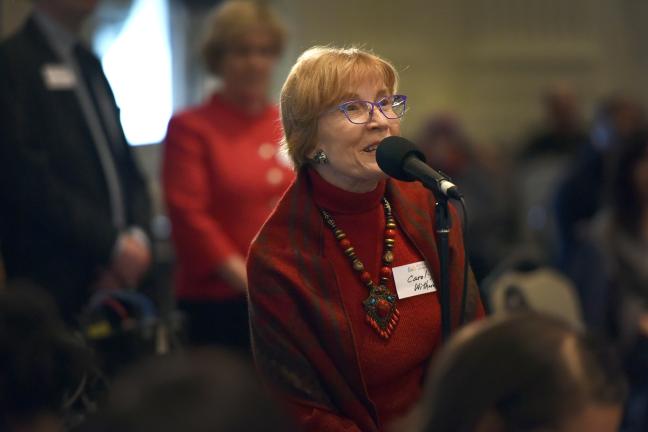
[(392, 369)]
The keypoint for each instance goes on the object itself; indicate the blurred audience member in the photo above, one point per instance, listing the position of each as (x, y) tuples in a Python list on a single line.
[(447, 148), (223, 172), (564, 133), (615, 294), (43, 370), (205, 391), (616, 241), (542, 164), (526, 372), (75, 205), (579, 195)]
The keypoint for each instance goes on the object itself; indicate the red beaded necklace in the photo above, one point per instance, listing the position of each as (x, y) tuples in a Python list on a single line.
[(380, 307)]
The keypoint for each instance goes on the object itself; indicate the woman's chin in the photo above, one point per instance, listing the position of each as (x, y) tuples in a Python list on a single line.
[(376, 171), (375, 174)]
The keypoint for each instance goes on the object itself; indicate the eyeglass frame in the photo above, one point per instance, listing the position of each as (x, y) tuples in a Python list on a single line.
[(342, 107)]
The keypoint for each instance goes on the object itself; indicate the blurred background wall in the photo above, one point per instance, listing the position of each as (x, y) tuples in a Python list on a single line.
[(488, 60), (485, 60)]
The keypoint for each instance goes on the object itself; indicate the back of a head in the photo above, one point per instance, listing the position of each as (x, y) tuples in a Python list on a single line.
[(204, 391), (529, 370), (41, 364)]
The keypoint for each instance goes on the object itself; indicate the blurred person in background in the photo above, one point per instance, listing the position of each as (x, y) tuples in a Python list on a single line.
[(564, 132), (580, 194), (523, 372), (342, 277), (203, 391), (540, 167), (615, 296), (223, 172), (448, 148), (43, 368), (75, 205)]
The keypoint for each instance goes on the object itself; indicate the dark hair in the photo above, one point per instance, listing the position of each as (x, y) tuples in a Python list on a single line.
[(622, 191), (532, 371), (41, 364), (204, 391)]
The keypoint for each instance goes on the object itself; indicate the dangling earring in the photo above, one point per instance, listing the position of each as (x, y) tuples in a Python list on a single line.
[(320, 158)]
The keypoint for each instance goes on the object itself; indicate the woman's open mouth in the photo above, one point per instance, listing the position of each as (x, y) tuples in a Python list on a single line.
[(370, 148)]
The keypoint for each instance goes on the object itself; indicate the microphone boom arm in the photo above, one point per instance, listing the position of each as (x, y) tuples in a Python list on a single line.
[(431, 179)]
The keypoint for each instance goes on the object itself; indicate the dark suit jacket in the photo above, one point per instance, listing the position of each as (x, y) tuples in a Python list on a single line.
[(56, 226)]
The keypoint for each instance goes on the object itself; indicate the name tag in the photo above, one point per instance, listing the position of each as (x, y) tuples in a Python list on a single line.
[(58, 77), (413, 279)]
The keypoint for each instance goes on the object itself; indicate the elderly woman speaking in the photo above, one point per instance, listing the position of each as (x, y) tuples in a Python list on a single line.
[(338, 324)]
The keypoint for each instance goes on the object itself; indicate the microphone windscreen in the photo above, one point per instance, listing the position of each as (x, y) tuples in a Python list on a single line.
[(392, 153)]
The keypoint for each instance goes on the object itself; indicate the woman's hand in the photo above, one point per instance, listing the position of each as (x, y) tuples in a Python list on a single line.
[(234, 273)]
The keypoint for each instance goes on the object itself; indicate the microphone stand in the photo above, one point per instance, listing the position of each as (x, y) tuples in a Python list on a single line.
[(443, 224), (442, 221)]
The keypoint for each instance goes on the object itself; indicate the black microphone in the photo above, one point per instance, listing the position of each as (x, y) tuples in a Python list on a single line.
[(399, 158)]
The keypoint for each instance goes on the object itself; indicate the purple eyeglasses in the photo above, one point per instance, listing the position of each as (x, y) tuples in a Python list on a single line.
[(361, 111)]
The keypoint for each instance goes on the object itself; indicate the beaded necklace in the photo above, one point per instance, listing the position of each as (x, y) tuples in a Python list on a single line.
[(380, 307)]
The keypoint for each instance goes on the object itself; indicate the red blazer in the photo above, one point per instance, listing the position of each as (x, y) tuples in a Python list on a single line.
[(222, 176), (302, 339)]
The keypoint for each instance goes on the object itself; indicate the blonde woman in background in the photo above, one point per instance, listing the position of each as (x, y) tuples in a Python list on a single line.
[(222, 173)]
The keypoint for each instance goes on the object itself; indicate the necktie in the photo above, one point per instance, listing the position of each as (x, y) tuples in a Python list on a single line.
[(92, 74), (107, 140)]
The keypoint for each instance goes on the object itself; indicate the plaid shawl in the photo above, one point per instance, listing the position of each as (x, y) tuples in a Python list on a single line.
[(301, 335)]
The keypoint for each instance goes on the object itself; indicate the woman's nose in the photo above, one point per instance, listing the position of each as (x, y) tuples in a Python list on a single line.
[(378, 120)]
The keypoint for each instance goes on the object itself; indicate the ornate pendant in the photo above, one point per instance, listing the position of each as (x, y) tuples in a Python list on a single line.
[(381, 312), (380, 307)]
